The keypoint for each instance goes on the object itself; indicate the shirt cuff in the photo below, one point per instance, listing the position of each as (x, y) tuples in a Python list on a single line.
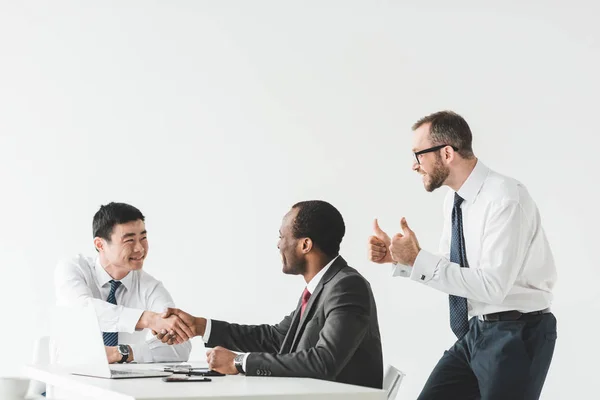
[(141, 353), (128, 319), (401, 270), (206, 336), (244, 362), (424, 267)]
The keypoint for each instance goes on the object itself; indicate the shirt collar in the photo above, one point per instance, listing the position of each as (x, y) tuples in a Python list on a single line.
[(103, 276), (312, 285), (469, 190)]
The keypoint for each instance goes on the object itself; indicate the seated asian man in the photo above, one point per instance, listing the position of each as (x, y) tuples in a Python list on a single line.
[(128, 301), (332, 333)]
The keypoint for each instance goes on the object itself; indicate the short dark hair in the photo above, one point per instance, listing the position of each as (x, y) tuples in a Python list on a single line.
[(112, 214), (447, 127), (322, 223)]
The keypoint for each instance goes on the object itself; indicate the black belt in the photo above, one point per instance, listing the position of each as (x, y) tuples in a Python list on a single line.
[(512, 315)]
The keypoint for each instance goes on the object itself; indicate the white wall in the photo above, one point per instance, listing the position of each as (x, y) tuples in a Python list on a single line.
[(215, 117)]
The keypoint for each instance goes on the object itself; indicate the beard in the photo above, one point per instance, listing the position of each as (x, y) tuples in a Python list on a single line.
[(294, 266), (437, 176)]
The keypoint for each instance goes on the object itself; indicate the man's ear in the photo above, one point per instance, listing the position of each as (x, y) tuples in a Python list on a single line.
[(307, 245), (449, 154), (98, 243)]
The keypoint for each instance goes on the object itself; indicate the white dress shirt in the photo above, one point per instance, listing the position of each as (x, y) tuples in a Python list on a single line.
[(311, 286), (510, 262), (82, 281)]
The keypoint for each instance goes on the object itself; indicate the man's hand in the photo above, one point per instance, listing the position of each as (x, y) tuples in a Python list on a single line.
[(112, 354), (172, 324), (405, 247), (221, 360), (379, 246), (196, 326)]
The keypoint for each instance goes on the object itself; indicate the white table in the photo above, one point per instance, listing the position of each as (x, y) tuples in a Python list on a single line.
[(68, 386)]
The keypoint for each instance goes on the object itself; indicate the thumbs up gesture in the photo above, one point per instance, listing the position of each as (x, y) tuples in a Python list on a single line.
[(404, 247), (379, 245)]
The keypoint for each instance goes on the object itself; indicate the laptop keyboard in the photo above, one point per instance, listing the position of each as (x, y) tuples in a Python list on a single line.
[(123, 373), (136, 373)]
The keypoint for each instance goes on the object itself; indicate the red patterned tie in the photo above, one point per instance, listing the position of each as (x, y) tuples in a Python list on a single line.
[(305, 297)]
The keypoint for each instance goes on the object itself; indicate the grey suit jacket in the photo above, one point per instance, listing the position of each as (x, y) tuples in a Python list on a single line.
[(336, 339)]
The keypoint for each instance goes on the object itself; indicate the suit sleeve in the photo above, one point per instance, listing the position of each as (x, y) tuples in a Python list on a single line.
[(347, 320), (249, 338)]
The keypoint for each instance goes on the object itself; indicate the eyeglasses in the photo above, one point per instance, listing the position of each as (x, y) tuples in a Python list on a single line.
[(429, 150)]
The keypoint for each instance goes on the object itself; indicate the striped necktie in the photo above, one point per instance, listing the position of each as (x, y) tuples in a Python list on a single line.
[(112, 338)]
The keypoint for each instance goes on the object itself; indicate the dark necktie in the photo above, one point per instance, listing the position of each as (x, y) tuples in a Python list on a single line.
[(305, 297), (459, 321), (112, 338)]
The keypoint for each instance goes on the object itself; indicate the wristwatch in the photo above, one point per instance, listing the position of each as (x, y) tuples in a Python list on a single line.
[(124, 351), (238, 361)]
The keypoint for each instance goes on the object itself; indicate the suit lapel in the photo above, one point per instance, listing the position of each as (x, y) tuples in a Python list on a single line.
[(331, 272), (287, 341)]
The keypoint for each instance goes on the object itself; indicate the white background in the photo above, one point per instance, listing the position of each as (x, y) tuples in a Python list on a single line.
[(215, 117)]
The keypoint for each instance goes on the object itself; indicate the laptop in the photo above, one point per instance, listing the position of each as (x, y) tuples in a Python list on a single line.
[(78, 347)]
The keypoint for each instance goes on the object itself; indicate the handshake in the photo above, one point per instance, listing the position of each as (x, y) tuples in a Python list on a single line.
[(173, 326)]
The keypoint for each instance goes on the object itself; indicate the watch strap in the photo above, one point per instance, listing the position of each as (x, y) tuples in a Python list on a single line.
[(125, 355), (238, 361)]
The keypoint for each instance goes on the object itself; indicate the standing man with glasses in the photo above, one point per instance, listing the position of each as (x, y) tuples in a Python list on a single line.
[(495, 264)]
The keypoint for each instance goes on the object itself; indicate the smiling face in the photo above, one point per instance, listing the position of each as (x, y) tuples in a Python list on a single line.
[(290, 247), (430, 166), (127, 248)]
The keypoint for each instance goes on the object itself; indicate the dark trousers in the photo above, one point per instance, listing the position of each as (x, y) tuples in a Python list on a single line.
[(501, 360)]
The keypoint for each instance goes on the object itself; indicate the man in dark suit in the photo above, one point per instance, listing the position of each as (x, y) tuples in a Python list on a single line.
[(332, 334)]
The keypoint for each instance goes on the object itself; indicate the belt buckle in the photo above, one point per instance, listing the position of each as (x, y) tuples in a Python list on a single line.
[(492, 317), (517, 315)]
